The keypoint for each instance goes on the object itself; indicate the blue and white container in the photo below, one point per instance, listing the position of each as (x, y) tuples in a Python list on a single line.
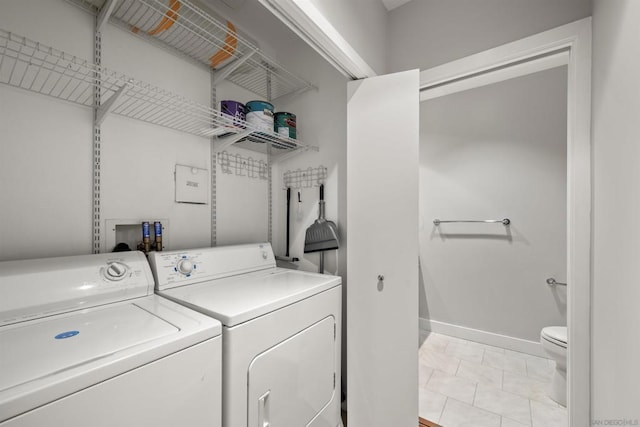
[(260, 115)]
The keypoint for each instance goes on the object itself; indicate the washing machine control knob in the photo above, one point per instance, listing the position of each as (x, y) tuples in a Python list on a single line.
[(116, 271), (185, 266), (264, 255)]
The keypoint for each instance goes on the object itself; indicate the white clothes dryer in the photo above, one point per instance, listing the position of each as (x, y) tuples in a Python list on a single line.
[(281, 332), (84, 341)]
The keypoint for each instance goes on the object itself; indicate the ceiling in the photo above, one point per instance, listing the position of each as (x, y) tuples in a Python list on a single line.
[(392, 4), (389, 4)]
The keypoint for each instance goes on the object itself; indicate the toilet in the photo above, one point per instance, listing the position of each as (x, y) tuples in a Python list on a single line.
[(554, 343)]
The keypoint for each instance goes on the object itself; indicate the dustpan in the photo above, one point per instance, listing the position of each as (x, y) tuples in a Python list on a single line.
[(322, 235)]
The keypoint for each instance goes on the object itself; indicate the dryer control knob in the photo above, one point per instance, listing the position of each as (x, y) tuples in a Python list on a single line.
[(116, 271), (185, 266), (264, 255)]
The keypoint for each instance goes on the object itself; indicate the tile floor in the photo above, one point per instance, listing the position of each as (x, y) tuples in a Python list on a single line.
[(464, 383)]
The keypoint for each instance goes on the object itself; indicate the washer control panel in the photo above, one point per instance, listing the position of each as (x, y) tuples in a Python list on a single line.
[(47, 286), (115, 271), (178, 268)]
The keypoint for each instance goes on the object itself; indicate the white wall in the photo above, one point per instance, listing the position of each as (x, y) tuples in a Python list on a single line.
[(363, 24), (616, 238), (425, 33), (139, 159), (494, 152), (45, 165)]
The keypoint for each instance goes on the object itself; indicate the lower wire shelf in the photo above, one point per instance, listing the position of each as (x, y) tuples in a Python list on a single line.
[(38, 68)]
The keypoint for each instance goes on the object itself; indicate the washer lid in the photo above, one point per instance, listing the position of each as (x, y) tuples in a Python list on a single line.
[(45, 359), (37, 349), (234, 300), (555, 334)]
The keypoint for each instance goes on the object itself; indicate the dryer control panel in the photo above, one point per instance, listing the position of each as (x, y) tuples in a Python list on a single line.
[(178, 268)]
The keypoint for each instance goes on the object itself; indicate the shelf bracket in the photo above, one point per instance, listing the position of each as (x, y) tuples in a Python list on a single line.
[(108, 106), (105, 13), (226, 141), (293, 153), (224, 72)]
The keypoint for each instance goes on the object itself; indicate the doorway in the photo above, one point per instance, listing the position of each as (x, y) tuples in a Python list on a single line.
[(493, 167), (568, 45)]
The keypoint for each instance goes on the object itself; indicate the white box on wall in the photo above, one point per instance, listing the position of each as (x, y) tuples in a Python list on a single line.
[(191, 185)]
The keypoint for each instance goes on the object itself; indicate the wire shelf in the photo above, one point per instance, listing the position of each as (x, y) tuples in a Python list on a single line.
[(188, 30), (242, 166), (304, 178), (30, 65)]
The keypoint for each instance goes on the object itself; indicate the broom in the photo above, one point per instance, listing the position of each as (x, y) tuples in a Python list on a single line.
[(322, 235)]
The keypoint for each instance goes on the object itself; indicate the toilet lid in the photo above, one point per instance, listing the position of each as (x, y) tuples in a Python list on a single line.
[(556, 335)]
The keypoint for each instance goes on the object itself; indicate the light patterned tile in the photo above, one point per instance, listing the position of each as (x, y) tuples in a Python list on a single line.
[(525, 356), (440, 361), (479, 373), (453, 339), (540, 369), (424, 373), (438, 338), (507, 422), (452, 386), (505, 362), (468, 343), (470, 351), (548, 416), (448, 396), (526, 387), (505, 404), (434, 342), (460, 414), (431, 404), (493, 348)]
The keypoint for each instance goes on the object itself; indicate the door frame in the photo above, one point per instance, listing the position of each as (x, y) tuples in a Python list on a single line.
[(566, 45)]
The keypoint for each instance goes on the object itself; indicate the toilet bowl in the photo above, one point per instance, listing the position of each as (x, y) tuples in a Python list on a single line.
[(554, 343)]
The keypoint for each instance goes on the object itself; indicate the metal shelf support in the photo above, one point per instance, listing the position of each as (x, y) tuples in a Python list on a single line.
[(104, 14), (104, 110), (224, 72), (96, 217), (227, 141)]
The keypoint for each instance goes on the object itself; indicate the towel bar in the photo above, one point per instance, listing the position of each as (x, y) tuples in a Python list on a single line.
[(505, 221)]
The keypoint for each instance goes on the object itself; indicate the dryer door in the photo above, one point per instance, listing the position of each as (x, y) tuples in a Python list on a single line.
[(292, 382)]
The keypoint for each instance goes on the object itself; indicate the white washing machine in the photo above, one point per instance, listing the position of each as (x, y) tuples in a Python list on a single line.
[(84, 341), (280, 334)]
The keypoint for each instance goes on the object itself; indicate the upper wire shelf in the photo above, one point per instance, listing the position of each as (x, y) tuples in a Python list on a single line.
[(190, 31), (30, 65)]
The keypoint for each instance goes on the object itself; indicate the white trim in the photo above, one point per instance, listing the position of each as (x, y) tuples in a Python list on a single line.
[(489, 338), (488, 77), (304, 19), (576, 38), (538, 45)]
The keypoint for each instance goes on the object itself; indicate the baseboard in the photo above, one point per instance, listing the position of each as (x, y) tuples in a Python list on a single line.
[(489, 338)]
